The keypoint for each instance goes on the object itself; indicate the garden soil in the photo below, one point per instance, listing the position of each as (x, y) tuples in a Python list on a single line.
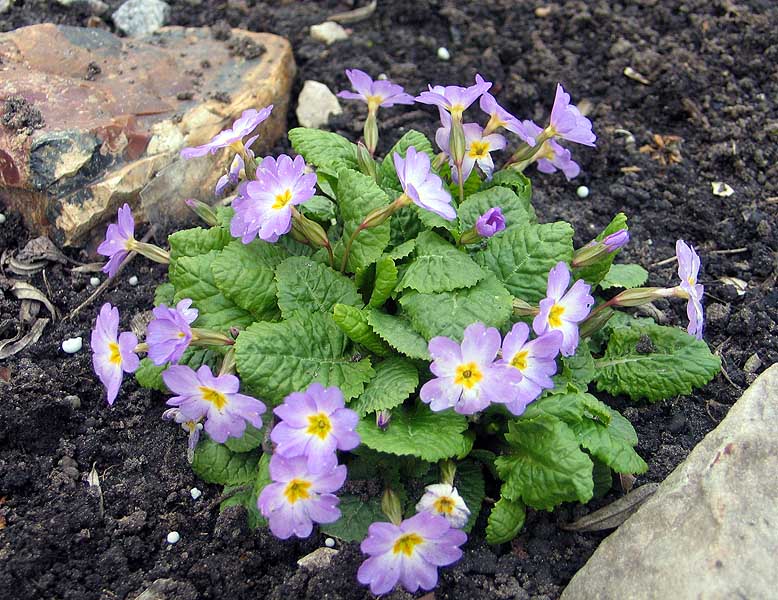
[(681, 94)]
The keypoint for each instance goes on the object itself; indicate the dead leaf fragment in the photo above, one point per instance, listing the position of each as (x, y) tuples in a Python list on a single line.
[(633, 74), (739, 285), (665, 149), (356, 15), (721, 189), (18, 343), (93, 479), (42, 248), (613, 515)]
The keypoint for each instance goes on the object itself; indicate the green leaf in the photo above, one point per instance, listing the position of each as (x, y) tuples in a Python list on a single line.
[(197, 241), (357, 516), (624, 276), (513, 209), (164, 294), (449, 313), (602, 477), (405, 226), (577, 369), (358, 195), (678, 363), (248, 498), (216, 463), (593, 274), (403, 250), (546, 465), (439, 267), (417, 432), (319, 209), (149, 375), (398, 333), (385, 281), (519, 183), (309, 286), (251, 439), (245, 274), (472, 183), (276, 359), (387, 174), (324, 148), (522, 257), (470, 485), (395, 380), (505, 521), (353, 322), (431, 220), (193, 278)]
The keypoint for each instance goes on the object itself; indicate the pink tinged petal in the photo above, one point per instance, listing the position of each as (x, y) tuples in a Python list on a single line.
[(446, 354), (545, 346), (480, 344), (286, 469), (345, 94), (328, 400), (301, 523), (247, 408), (270, 498), (471, 401), (570, 340), (425, 524), (558, 280), (440, 394), (442, 135), (112, 380), (126, 222), (444, 550), (399, 167), (380, 572), (526, 391), (319, 452), (417, 166)]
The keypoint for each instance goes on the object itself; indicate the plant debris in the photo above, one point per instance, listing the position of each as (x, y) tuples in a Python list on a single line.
[(615, 513)]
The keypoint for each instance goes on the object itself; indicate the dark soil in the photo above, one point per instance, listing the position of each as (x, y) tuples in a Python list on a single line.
[(710, 67), (20, 115)]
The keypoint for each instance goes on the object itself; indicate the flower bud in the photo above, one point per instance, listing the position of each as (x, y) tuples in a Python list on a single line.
[(524, 309), (209, 337), (390, 505), (595, 321), (448, 470), (595, 250), (457, 144), (202, 210), (641, 296), (366, 162), (310, 230), (371, 132), (152, 252), (382, 418)]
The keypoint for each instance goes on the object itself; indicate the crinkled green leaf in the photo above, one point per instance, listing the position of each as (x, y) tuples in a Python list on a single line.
[(404, 250), (624, 276), (251, 439), (395, 380), (469, 482), (417, 432), (449, 313), (387, 174), (522, 257), (164, 294), (593, 274), (248, 497), (276, 359), (520, 185), (385, 281), (245, 273), (577, 369), (324, 148), (439, 267), (546, 465), (319, 209), (678, 363), (406, 225), (357, 516), (513, 208), (353, 322), (216, 463), (149, 375), (505, 521), (399, 334), (196, 241), (309, 286)]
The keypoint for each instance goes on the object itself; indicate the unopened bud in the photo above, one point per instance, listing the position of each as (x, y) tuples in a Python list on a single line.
[(596, 321), (202, 210), (390, 505), (210, 337), (382, 418), (366, 162), (641, 296), (371, 132), (524, 309), (457, 144), (448, 471), (311, 230), (595, 251)]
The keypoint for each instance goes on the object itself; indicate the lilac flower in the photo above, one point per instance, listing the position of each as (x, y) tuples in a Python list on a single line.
[(201, 395), (499, 117), (119, 240), (595, 251), (477, 147), (264, 206), (232, 177), (421, 185), (616, 240), (443, 499), (243, 126), (299, 496), (491, 222), (567, 121), (562, 309), (467, 377), (112, 352), (409, 553), (193, 428), (169, 334), (552, 156), (688, 271), (374, 93), (454, 99), (535, 360), (315, 423)]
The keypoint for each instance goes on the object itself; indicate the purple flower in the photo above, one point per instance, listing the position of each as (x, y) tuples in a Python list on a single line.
[(193, 428), (421, 185), (467, 377), (374, 93), (201, 395), (616, 240), (477, 147), (299, 496), (567, 121), (562, 309), (491, 222), (119, 240), (535, 360), (409, 553), (243, 126), (454, 99), (112, 352), (315, 423), (552, 156), (688, 271), (169, 334), (443, 499), (499, 117), (232, 177), (264, 206)]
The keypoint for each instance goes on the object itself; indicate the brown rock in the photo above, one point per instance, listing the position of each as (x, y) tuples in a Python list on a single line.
[(97, 142)]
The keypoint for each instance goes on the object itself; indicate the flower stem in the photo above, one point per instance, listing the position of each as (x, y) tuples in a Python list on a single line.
[(347, 250)]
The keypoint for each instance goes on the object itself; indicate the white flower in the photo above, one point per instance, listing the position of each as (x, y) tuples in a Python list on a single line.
[(443, 499)]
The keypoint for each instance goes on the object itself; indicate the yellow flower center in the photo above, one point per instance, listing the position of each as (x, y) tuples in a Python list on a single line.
[(218, 399), (297, 489), (479, 150), (444, 505), (555, 316), (457, 110), (406, 543), (320, 425), (519, 360), (282, 200), (692, 280), (115, 357), (373, 102), (468, 375)]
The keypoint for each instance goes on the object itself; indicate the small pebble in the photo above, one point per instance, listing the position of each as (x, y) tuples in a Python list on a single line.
[(133, 281), (582, 191), (329, 542), (72, 345), (2, 218), (195, 493), (443, 53), (94, 281), (173, 537), (74, 401)]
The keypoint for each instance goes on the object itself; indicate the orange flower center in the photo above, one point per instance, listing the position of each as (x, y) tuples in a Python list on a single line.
[(444, 505)]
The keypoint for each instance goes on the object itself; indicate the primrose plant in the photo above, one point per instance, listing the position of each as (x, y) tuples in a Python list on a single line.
[(348, 330)]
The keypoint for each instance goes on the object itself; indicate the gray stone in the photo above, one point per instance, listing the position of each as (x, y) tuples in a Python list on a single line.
[(316, 104), (96, 7), (318, 559), (711, 530), (328, 32), (5, 6), (141, 17)]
